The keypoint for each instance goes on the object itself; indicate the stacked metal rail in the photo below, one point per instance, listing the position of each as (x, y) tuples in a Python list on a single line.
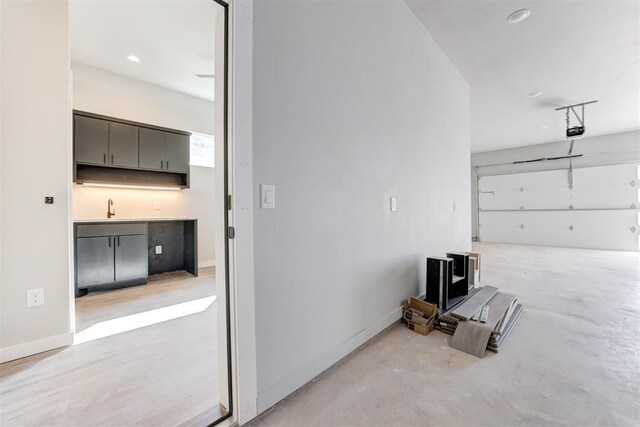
[(503, 313)]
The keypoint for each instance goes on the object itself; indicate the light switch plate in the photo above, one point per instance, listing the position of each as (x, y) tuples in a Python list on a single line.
[(158, 250), (393, 204), (267, 196), (35, 297), (156, 205)]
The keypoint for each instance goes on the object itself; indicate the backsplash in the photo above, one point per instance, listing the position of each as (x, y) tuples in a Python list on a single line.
[(195, 202)]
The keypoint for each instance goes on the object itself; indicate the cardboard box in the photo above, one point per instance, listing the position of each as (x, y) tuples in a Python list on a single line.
[(420, 315)]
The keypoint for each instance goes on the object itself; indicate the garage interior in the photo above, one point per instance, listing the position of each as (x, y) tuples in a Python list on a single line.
[(571, 361), (554, 212)]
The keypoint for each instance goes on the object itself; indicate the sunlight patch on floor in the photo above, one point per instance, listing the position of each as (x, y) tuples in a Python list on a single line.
[(140, 320)]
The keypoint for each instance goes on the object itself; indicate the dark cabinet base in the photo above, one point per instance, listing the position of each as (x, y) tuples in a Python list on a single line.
[(179, 241), (179, 247), (80, 292)]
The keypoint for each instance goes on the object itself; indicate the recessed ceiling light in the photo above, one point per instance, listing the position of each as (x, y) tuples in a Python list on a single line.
[(534, 94), (544, 127), (133, 58), (518, 16)]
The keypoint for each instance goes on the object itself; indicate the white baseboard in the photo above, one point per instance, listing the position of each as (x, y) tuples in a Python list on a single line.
[(34, 347), (209, 263), (272, 395)]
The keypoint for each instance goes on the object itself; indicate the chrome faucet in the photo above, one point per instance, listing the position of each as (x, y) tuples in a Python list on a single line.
[(109, 206)]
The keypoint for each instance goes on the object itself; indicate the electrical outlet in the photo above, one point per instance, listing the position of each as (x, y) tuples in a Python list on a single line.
[(35, 297), (158, 250), (156, 205)]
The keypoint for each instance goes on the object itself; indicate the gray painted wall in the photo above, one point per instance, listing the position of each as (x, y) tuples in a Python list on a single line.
[(353, 102), (620, 147)]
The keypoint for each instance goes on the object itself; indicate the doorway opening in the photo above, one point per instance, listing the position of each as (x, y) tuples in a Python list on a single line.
[(149, 249), (165, 295)]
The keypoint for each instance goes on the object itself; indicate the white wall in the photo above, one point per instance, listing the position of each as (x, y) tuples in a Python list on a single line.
[(620, 147), (102, 92), (35, 162), (353, 102)]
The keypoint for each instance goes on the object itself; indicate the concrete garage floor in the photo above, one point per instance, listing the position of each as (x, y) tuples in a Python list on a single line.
[(573, 359)]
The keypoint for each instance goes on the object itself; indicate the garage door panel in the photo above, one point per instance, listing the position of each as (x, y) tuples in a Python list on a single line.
[(584, 229), (539, 208), (595, 197), (584, 176), (605, 175), (604, 196), (515, 181)]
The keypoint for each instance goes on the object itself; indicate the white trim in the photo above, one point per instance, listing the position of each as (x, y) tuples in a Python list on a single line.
[(269, 397), (208, 263), (241, 274), (33, 347)]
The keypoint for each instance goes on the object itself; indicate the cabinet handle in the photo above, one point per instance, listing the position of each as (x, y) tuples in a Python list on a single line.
[(109, 241), (112, 159), (104, 158), (161, 164), (118, 237), (167, 164)]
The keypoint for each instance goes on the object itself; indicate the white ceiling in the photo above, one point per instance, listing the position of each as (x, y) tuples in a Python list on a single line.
[(173, 38), (573, 51)]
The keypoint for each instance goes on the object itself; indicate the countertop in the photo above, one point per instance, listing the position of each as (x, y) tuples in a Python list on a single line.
[(105, 220)]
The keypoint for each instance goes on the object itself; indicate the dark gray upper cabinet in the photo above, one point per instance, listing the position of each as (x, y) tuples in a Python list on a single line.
[(176, 152), (166, 151), (152, 149), (119, 151), (123, 145), (91, 138)]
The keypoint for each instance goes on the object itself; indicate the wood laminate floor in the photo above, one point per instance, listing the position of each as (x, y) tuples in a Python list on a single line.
[(153, 372)]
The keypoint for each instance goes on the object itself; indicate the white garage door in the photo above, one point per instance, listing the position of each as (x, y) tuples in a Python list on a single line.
[(600, 211)]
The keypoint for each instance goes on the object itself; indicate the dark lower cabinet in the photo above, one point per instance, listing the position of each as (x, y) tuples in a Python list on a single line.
[(94, 261), (131, 260), (111, 255)]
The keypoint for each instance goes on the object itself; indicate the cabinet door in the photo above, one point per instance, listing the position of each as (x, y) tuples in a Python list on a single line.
[(123, 145), (176, 152), (151, 149), (91, 139), (94, 261), (132, 257)]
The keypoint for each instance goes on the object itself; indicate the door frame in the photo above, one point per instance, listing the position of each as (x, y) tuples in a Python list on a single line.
[(238, 201), (222, 237)]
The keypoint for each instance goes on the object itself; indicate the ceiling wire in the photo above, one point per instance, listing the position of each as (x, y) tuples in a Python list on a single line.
[(571, 163)]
